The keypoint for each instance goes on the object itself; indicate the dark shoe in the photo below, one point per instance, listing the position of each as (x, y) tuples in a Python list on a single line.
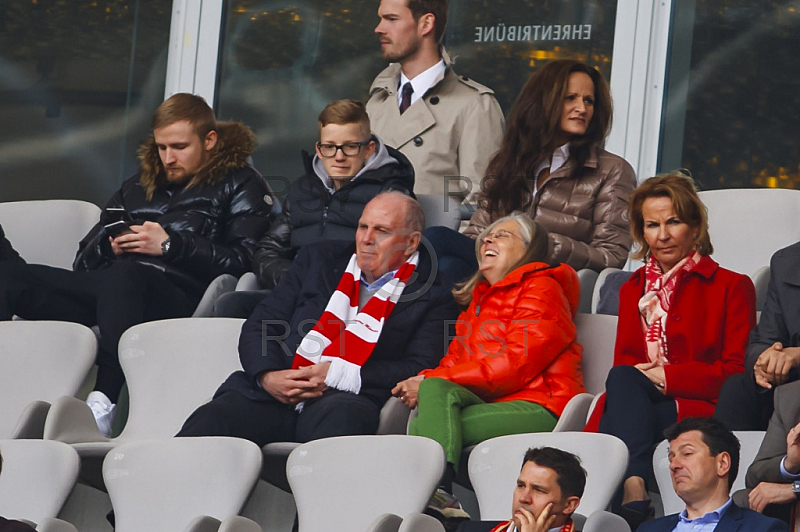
[(636, 512)]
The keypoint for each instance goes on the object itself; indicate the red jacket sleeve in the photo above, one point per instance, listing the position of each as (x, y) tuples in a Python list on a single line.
[(507, 355)]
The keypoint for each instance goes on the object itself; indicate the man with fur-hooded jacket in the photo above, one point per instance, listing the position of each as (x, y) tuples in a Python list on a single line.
[(194, 211)]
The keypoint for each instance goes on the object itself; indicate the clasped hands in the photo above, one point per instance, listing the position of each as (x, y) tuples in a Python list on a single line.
[(773, 365), (145, 239), (292, 386), (655, 373)]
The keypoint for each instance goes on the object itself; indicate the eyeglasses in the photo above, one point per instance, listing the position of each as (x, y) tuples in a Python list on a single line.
[(351, 148), (500, 235)]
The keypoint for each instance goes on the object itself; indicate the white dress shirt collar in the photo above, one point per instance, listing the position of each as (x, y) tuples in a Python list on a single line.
[(421, 82)]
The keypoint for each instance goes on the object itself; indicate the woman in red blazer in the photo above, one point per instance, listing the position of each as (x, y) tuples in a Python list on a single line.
[(683, 329), (514, 362)]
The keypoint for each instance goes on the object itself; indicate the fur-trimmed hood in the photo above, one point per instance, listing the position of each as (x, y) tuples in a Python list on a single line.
[(235, 143)]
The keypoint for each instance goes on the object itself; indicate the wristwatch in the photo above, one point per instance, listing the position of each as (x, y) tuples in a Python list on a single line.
[(165, 246), (796, 488)]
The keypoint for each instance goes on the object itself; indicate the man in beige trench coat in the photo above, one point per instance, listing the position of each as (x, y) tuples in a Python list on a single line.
[(448, 125)]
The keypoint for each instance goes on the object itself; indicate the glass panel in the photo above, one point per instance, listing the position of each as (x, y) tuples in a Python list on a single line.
[(282, 61), (79, 81), (731, 109)]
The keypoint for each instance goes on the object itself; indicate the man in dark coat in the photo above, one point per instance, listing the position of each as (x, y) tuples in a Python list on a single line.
[(7, 251), (260, 403), (773, 357), (350, 167), (773, 479), (194, 211)]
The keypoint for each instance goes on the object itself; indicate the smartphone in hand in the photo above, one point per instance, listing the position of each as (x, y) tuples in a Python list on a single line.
[(119, 221)]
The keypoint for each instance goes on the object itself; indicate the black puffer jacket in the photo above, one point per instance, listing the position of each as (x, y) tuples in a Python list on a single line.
[(311, 213), (7, 252), (213, 222)]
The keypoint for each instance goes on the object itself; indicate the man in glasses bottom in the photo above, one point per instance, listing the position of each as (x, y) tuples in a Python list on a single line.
[(350, 167)]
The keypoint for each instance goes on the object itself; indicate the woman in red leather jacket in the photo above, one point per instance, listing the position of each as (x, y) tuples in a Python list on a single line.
[(514, 362), (683, 329)]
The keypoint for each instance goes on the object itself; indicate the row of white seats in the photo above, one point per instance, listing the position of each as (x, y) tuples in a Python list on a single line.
[(201, 484), (156, 355), (747, 227)]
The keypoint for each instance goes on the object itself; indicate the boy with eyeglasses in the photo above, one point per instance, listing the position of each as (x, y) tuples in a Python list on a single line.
[(349, 168)]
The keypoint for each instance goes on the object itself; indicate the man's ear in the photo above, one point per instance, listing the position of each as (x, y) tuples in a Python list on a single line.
[(723, 464), (425, 24), (571, 504), (210, 141), (413, 242)]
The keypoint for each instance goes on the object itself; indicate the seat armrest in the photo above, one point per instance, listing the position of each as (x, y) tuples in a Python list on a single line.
[(31, 422), (237, 523), (204, 523), (51, 524), (573, 418), (385, 523), (70, 420), (394, 417)]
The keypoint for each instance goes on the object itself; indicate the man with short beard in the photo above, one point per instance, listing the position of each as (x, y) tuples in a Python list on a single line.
[(194, 211), (447, 125)]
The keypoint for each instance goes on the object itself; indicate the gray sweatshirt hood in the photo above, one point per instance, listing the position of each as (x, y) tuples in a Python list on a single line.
[(380, 158)]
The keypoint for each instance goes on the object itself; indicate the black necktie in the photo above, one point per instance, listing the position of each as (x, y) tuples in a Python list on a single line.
[(406, 100)]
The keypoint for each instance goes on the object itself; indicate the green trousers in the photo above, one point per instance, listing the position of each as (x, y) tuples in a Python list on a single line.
[(455, 417)]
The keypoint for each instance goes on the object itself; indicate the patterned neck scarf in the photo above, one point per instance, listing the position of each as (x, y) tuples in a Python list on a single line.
[(655, 303)]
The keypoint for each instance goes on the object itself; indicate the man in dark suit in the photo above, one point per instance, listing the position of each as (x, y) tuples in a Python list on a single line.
[(773, 479), (358, 359), (773, 356), (703, 463)]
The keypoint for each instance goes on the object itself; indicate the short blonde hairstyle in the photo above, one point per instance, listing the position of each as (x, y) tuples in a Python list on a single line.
[(681, 189), (343, 112)]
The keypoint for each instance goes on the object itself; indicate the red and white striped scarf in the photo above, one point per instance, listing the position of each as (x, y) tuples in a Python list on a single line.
[(654, 304), (343, 335)]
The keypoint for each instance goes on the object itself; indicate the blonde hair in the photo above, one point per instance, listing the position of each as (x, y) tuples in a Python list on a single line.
[(343, 112), (680, 188), (537, 242)]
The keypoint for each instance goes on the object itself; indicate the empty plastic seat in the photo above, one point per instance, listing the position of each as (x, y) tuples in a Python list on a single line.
[(597, 334), (48, 231), (181, 483), (171, 366), (343, 484), (36, 479), (41, 361), (748, 225)]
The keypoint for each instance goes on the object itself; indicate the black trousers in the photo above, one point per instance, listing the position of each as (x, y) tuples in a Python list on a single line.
[(335, 413), (744, 405), (637, 413), (114, 298)]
